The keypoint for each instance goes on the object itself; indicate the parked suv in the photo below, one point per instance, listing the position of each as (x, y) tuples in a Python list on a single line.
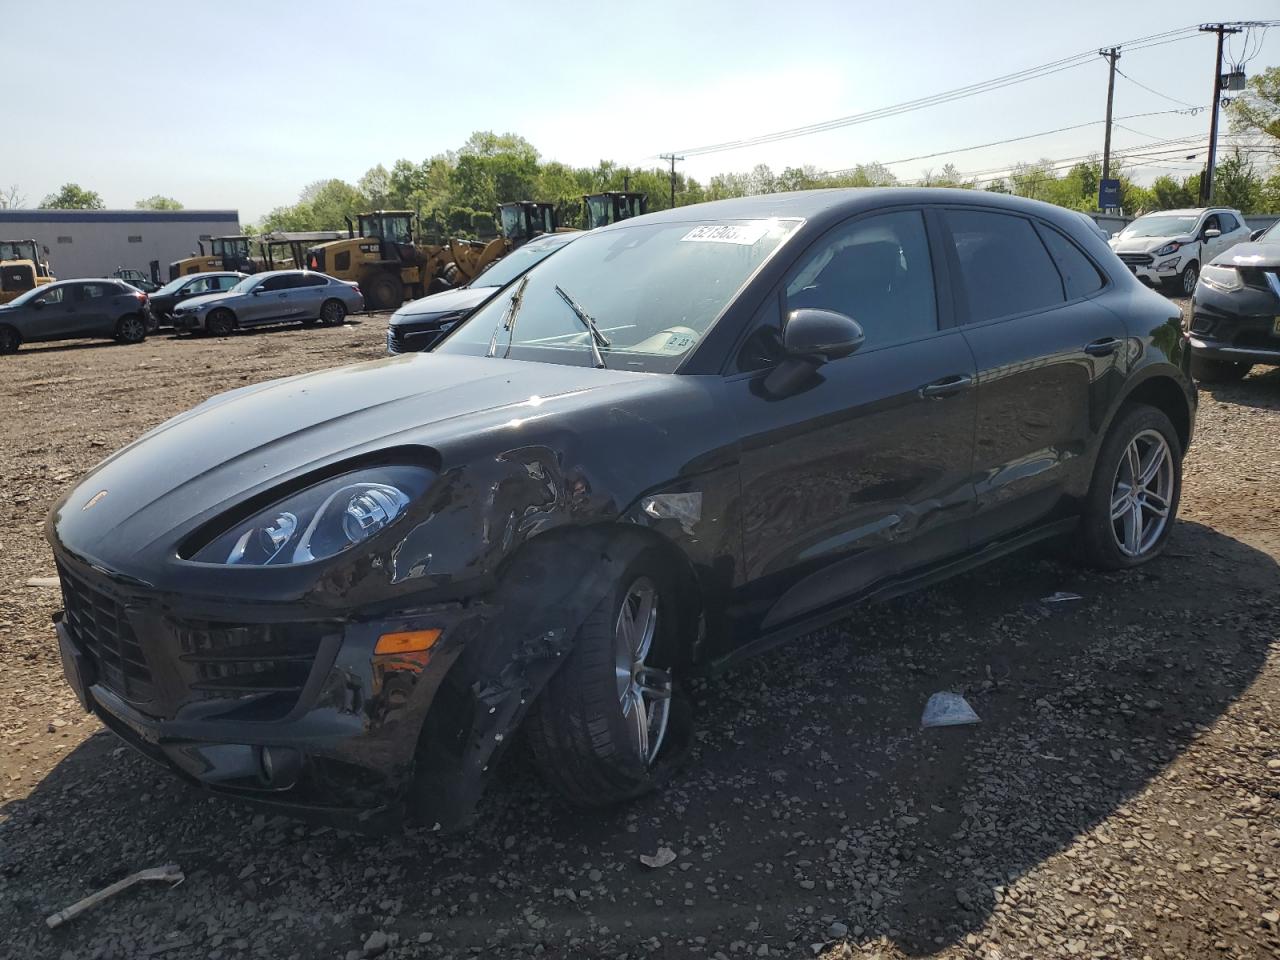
[(72, 309), (277, 296), (682, 439), (1235, 313), (1170, 247)]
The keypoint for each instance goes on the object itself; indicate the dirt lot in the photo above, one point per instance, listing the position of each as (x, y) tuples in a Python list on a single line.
[(1121, 797)]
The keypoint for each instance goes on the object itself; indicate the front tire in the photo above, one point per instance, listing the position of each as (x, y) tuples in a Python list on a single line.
[(600, 730), (221, 323), (1207, 370), (10, 340), (384, 291), (1184, 284), (131, 328), (1133, 497)]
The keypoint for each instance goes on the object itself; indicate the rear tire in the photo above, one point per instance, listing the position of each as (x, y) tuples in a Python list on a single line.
[(221, 323), (599, 733), (1207, 370), (131, 328), (333, 313), (10, 340), (383, 291), (1126, 523)]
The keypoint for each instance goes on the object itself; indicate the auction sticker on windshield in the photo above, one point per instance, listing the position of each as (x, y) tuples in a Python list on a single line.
[(743, 233)]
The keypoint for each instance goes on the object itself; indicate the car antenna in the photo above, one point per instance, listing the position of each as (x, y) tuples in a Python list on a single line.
[(597, 338), (508, 321)]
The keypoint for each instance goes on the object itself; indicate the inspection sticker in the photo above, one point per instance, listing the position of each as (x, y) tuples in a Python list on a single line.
[(744, 233)]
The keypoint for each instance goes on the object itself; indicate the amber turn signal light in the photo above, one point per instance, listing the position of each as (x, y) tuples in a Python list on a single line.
[(413, 641)]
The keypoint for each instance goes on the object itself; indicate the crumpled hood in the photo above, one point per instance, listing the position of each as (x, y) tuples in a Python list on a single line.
[(245, 442), (1265, 254), (1144, 244), (448, 302)]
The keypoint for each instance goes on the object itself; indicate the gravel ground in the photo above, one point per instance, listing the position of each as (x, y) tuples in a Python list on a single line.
[(1119, 798)]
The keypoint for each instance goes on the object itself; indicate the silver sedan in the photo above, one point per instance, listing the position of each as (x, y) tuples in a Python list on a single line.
[(278, 296)]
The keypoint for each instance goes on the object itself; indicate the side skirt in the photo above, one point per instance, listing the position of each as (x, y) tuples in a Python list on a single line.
[(887, 590)]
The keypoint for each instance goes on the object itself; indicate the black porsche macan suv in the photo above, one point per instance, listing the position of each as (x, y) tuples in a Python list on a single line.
[(681, 439)]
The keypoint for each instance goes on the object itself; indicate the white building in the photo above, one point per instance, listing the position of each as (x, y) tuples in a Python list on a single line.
[(93, 243)]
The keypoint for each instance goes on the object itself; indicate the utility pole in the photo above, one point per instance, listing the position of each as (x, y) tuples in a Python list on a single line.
[(1206, 182), (1111, 56), (673, 158)]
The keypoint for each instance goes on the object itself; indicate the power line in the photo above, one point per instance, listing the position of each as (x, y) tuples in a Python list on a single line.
[(1018, 139), (1137, 83), (973, 89)]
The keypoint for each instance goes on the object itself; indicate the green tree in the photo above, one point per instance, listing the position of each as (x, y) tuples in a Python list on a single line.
[(1169, 194), (375, 186), (1257, 109), (158, 202), (72, 196), (1236, 183)]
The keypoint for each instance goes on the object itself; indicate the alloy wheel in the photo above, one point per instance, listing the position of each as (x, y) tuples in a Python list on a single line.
[(332, 313), (1141, 493), (644, 691), (1189, 278), (132, 330)]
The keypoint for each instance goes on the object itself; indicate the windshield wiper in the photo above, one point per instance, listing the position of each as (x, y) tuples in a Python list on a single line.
[(508, 321), (597, 339)]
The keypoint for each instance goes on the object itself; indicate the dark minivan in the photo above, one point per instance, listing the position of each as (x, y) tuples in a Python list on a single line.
[(683, 438), (72, 309)]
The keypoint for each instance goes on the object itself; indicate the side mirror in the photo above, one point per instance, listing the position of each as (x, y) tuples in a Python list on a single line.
[(810, 338), (37, 304), (820, 335), (256, 291), (1256, 234), (1212, 233)]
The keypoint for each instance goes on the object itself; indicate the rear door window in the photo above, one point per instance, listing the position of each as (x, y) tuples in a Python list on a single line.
[(283, 282), (311, 280), (1004, 267), (1079, 275), (96, 291)]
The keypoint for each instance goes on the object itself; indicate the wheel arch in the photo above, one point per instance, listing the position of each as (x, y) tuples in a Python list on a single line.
[(545, 591), (1164, 392)]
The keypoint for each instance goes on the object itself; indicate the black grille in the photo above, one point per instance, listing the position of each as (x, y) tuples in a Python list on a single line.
[(230, 662), (395, 339), (1136, 259), (102, 626)]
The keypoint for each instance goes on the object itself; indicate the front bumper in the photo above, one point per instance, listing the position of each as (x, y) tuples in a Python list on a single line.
[(294, 715), (1235, 325), (188, 321), (1153, 270)]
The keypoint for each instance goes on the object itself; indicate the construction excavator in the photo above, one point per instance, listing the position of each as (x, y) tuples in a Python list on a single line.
[(382, 257), (612, 206), (21, 268), (225, 253), (287, 250)]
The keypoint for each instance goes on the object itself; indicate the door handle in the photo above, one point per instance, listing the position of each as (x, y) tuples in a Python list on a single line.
[(1102, 348), (946, 387)]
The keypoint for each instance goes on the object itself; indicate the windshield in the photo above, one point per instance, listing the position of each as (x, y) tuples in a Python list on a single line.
[(1160, 226), (172, 286), (17, 250), (501, 272), (653, 288), (1271, 233), (245, 285)]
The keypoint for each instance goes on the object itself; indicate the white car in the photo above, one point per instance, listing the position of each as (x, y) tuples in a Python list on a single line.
[(1168, 248)]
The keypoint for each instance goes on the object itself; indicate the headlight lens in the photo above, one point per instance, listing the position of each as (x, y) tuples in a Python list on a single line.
[(1224, 278), (1172, 247), (320, 521)]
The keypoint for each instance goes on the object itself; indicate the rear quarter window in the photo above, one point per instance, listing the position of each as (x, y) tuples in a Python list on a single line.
[(1079, 275)]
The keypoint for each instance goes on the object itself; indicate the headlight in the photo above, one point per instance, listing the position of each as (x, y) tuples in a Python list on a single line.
[(1172, 247), (320, 521), (1224, 278)]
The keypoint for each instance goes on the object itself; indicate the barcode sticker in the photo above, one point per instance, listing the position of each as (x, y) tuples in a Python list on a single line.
[(741, 233)]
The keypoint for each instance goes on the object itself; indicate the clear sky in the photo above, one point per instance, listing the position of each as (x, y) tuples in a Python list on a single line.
[(240, 105)]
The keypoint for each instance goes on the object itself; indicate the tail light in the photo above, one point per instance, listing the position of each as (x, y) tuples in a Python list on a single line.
[(142, 297)]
